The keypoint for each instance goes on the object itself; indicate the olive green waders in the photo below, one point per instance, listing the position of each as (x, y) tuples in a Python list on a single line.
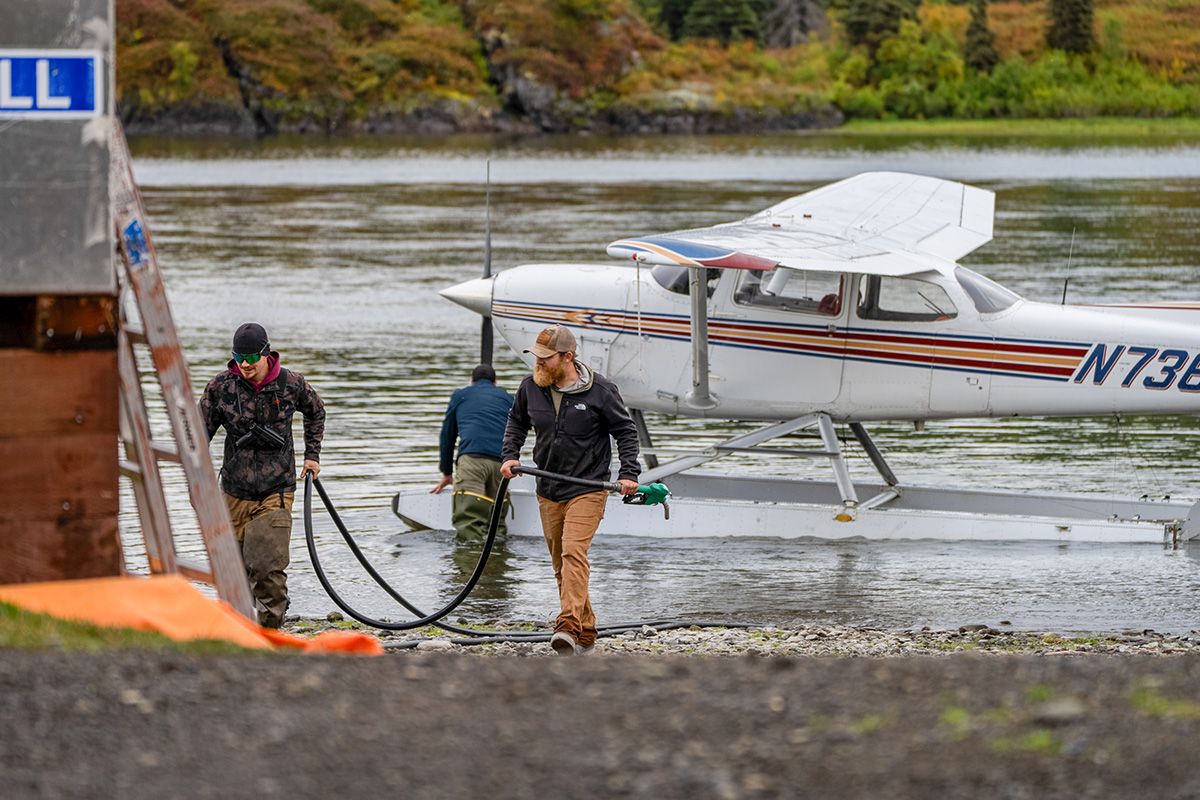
[(476, 481), (264, 531)]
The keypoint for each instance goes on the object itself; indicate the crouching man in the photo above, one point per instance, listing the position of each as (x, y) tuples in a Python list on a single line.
[(573, 411), (254, 401)]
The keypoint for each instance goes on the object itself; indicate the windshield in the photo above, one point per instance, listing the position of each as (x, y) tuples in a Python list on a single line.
[(679, 279), (987, 295)]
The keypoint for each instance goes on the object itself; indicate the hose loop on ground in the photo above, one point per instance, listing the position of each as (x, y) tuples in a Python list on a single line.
[(471, 636)]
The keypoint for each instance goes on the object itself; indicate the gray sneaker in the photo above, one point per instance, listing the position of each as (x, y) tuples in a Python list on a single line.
[(564, 644), (580, 650)]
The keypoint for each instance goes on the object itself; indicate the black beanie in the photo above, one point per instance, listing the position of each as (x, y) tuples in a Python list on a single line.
[(250, 338)]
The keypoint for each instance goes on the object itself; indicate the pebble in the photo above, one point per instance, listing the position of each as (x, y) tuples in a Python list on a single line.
[(1059, 712), (436, 644)]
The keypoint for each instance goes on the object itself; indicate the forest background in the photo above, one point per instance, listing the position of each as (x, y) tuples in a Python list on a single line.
[(689, 66)]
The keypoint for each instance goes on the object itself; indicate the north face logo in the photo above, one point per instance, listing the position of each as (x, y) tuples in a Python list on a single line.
[(580, 407)]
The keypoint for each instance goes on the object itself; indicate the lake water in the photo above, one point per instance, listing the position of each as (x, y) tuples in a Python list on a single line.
[(340, 247)]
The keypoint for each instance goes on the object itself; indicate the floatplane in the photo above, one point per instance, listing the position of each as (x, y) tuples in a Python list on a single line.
[(845, 305)]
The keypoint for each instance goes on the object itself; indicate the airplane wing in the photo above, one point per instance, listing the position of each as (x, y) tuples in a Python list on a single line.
[(885, 223)]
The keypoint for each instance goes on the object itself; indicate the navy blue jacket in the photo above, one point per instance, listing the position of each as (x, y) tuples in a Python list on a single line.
[(476, 415)]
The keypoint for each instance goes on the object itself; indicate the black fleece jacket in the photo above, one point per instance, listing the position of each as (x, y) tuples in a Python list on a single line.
[(575, 440)]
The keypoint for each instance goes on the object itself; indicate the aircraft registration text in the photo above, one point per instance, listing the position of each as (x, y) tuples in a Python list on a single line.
[(1149, 367)]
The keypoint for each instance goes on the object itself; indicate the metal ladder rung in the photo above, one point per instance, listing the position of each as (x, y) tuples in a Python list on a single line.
[(130, 470), (195, 572), (135, 335), (166, 452)]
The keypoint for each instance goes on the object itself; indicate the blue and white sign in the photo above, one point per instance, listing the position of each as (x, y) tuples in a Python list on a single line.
[(51, 84)]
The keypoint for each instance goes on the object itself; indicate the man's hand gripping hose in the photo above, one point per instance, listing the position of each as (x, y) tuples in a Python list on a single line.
[(652, 494)]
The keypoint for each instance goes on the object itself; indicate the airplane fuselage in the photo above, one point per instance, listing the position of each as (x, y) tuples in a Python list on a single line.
[(857, 347)]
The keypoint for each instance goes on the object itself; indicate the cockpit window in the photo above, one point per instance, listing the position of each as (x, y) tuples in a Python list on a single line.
[(892, 299), (791, 290), (679, 279), (987, 295)]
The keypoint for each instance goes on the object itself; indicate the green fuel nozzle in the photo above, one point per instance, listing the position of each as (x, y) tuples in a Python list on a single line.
[(653, 494)]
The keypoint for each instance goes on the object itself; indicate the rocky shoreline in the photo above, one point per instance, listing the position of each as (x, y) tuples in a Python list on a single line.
[(450, 117), (806, 641)]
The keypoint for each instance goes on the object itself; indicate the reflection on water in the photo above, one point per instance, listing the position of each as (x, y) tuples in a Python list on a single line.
[(342, 260), (493, 594)]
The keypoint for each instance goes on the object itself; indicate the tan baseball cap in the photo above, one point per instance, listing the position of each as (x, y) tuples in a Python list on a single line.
[(555, 339)]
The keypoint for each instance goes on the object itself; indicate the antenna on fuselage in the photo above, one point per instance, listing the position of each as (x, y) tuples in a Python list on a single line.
[(485, 331), (1067, 279)]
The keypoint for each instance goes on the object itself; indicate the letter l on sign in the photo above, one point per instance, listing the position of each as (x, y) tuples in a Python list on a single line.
[(6, 97)]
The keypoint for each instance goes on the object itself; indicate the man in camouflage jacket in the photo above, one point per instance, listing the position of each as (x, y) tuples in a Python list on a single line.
[(254, 400)]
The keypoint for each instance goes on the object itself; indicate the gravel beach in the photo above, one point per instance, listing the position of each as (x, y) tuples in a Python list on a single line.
[(812, 712)]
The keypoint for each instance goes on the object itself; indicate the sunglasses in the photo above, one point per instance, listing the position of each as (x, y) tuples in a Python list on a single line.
[(249, 358)]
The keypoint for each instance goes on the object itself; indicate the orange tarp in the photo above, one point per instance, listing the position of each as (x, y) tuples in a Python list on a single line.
[(173, 607)]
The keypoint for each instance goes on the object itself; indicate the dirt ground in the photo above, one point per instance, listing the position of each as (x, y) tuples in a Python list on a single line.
[(150, 724)]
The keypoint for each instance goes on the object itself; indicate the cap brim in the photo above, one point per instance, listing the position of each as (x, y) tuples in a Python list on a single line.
[(540, 351)]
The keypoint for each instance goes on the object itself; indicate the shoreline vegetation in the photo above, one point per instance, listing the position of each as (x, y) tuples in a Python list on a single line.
[(23, 630), (865, 67)]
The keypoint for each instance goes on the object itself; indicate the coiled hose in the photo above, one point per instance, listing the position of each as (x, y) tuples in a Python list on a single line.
[(469, 636)]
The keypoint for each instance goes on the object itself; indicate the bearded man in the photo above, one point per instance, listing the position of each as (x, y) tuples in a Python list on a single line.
[(573, 410)]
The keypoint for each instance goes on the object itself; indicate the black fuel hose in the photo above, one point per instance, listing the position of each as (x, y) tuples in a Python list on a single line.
[(425, 619), (472, 636)]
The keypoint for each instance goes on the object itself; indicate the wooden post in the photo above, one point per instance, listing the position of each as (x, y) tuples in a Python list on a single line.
[(58, 360), (58, 432)]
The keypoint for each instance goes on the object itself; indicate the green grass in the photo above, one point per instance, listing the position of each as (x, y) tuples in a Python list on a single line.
[(1038, 693), (1040, 741), (1149, 701), (25, 630), (1092, 128)]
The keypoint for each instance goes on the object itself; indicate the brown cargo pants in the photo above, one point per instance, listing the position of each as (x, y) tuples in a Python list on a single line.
[(264, 533), (569, 528)]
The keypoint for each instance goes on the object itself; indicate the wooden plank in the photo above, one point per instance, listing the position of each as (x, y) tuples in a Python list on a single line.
[(53, 393), (44, 477), (59, 322), (70, 546)]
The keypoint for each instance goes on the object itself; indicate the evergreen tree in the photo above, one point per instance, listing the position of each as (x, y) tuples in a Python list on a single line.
[(1071, 26), (980, 52), (786, 23), (869, 22), (723, 20), (672, 14)]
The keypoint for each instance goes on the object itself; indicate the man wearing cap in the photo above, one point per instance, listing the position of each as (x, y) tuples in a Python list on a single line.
[(574, 410), (254, 400), (475, 416)]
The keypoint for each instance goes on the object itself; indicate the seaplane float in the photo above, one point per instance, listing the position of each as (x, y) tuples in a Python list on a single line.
[(844, 305)]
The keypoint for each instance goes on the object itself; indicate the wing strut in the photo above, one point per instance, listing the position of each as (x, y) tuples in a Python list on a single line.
[(700, 396)]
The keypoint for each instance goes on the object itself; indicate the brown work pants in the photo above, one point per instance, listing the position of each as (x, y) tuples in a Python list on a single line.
[(569, 528), (264, 532)]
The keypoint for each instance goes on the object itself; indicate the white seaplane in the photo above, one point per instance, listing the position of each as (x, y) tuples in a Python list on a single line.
[(845, 304)]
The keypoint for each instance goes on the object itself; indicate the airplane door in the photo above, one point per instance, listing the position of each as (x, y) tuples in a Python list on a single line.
[(962, 360), (889, 349), (777, 340), (959, 384)]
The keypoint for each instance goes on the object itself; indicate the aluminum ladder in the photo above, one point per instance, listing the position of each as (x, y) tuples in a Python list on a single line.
[(141, 286)]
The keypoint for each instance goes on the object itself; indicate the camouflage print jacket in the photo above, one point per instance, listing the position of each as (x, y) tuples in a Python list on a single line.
[(254, 468)]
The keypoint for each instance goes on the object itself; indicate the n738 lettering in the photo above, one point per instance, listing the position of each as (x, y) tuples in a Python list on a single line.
[(1156, 368)]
